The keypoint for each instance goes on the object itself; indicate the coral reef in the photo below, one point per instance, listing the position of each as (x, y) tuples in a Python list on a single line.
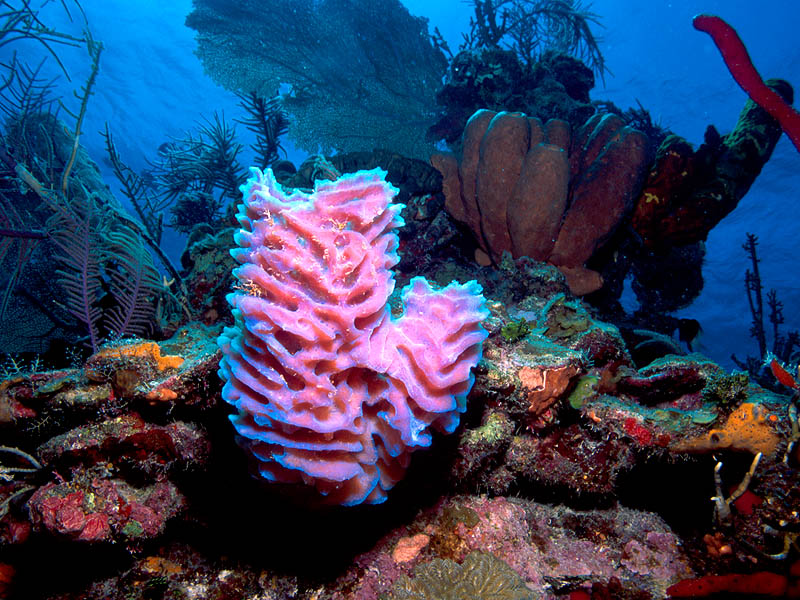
[(329, 389), (559, 413), (532, 449), (104, 473), (477, 543), (748, 428), (524, 56), (104, 510), (555, 87)]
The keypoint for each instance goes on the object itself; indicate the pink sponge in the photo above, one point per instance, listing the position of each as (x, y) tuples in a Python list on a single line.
[(330, 389)]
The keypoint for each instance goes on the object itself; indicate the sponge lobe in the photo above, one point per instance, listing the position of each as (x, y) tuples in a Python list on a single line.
[(330, 390)]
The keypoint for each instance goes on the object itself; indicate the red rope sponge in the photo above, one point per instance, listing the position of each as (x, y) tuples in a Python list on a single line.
[(741, 67)]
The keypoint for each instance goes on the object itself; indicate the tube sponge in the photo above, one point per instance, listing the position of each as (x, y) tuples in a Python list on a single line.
[(330, 389)]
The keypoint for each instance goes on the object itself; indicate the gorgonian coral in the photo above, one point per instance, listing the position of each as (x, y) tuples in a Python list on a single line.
[(309, 48)]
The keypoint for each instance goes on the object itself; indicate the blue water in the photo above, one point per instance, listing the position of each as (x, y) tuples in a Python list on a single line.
[(151, 86)]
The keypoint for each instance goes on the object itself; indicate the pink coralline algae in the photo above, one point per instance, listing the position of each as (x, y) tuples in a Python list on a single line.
[(94, 510), (330, 389)]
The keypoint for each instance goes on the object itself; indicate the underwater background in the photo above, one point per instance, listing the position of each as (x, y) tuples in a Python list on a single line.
[(329, 379), (151, 87)]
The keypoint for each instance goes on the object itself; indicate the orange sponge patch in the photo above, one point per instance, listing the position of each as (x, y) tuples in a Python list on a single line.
[(141, 357), (749, 428)]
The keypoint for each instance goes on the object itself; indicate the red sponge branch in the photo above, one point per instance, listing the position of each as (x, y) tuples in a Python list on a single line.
[(741, 67)]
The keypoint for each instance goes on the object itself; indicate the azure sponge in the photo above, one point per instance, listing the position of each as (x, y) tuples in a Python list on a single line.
[(330, 389)]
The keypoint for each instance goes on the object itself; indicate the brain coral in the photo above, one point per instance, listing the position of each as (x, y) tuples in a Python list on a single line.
[(330, 389), (481, 576)]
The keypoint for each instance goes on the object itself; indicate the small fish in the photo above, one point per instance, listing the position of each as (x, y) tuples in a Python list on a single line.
[(689, 331), (781, 374)]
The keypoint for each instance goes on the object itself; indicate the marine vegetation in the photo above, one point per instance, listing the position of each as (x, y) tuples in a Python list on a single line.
[(529, 28), (198, 175), (55, 210), (785, 347), (201, 161), (21, 21), (361, 75), (267, 119)]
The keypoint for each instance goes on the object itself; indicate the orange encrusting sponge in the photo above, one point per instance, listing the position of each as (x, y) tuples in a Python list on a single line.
[(747, 428)]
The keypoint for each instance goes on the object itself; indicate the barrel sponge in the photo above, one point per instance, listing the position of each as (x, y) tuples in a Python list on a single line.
[(330, 389)]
